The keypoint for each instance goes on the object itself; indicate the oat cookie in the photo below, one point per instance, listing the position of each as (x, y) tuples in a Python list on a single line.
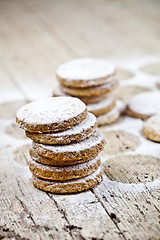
[(86, 149), (92, 91), (63, 173), (85, 72), (70, 186), (158, 84), (102, 107), (78, 133), (151, 128), (144, 105), (49, 161), (51, 114), (112, 116), (87, 100)]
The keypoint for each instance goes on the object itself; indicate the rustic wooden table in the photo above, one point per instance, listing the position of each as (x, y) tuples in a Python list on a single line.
[(36, 36)]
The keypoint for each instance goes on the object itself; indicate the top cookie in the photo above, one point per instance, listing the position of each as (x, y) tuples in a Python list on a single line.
[(144, 105), (85, 72), (51, 114)]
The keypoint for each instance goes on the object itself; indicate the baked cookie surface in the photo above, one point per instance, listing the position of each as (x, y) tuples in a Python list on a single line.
[(51, 114), (111, 116), (85, 72), (70, 186), (102, 107), (87, 100), (62, 173), (49, 161), (151, 128), (92, 91), (86, 149), (144, 105), (78, 133)]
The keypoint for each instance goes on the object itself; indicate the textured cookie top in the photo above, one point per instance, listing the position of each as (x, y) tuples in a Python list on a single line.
[(84, 72), (94, 140), (77, 133), (90, 121), (51, 114), (102, 104), (146, 104), (153, 123)]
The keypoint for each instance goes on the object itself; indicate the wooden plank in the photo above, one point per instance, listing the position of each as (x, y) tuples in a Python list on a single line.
[(100, 29), (30, 213), (131, 208), (32, 57), (11, 96), (26, 213)]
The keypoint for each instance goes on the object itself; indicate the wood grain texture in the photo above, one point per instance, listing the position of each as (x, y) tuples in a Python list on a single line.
[(36, 36)]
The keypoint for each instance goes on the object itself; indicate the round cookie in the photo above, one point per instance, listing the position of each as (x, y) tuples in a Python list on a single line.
[(87, 100), (52, 162), (158, 84), (85, 72), (78, 133), (86, 149), (70, 186), (92, 91), (51, 114), (102, 107), (144, 105), (151, 128), (111, 116), (63, 173)]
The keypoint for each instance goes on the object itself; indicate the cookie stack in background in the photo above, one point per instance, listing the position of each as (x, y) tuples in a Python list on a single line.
[(91, 80), (66, 144)]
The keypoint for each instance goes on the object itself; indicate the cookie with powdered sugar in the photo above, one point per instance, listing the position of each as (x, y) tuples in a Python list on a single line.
[(85, 72), (144, 105), (78, 133), (111, 84), (111, 116), (63, 173), (87, 100), (51, 114), (69, 186), (151, 128), (158, 84), (53, 162), (86, 149), (102, 107)]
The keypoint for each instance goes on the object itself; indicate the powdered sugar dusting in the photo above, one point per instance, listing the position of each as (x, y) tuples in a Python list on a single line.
[(80, 166), (51, 110), (89, 122), (95, 139), (85, 69), (153, 123), (146, 103), (102, 104), (94, 176)]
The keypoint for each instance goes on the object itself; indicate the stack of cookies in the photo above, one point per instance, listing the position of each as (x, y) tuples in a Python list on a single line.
[(91, 80), (66, 144)]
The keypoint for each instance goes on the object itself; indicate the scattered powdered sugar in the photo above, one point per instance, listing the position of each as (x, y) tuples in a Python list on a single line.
[(102, 104), (85, 69), (145, 103), (95, 139), (51, 110)]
